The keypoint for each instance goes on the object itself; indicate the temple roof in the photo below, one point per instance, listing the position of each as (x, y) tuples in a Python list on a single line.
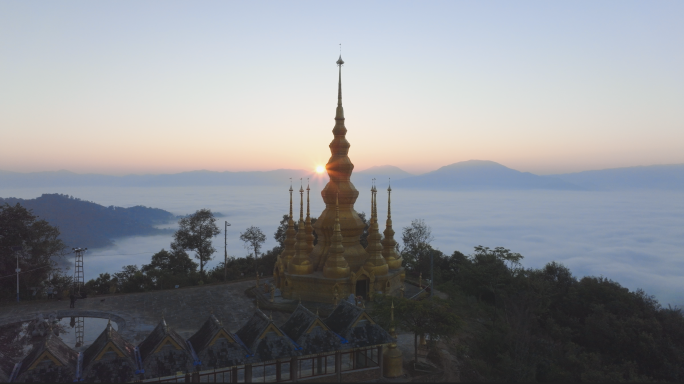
[(310, 332), (300, 320), (153, 340), (55, 347), (108, 335), (6, 367), (264, 339), (342, 318), (205, 334), (355, 325)]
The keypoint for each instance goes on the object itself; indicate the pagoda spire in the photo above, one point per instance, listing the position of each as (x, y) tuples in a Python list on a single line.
[(300, 263), (375, 261), (308, 227), (336, 266), (389, 251), (340, 188), (290, 240)]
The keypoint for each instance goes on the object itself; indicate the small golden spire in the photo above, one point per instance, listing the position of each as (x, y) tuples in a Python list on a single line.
[(392, 313), (300, 263), (316, 311), (291, 198), (257, 303), (389, 245), (270, 316), (289, 251), (300, 299), (301, 201), (308, 229), (375, 263)]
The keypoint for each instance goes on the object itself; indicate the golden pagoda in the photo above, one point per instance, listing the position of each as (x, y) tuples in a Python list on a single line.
[(338, 265)]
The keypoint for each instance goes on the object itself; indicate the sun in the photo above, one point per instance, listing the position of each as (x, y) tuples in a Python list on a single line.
[(320, 169)]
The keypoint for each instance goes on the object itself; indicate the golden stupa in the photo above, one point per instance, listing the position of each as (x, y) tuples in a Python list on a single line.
[(338, 265)]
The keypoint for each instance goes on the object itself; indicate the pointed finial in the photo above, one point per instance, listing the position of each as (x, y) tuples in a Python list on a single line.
[(257, 303), (270, 316), (392, 312), (339, 114), (307, 198), (290, 198), (300, 299), (316, 311), (301, 201), (389, 205)]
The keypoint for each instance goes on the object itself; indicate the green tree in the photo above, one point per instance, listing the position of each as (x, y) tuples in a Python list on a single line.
[(168, 269), (416, 238), (41, 248), (195, 233), (253, 238), (132, 279), (101, 285), (434, 317)]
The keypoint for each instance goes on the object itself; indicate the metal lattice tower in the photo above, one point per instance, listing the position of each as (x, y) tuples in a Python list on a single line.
[(80, 331), (79, 277)]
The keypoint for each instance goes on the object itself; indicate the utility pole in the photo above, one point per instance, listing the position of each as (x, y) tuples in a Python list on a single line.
[(225, 251), (17, 250)]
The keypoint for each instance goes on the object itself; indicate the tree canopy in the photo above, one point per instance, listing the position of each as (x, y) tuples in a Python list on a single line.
[(195, 233), (40, 245)]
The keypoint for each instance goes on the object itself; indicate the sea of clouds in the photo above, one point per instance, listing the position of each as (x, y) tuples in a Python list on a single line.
[(633, 237)]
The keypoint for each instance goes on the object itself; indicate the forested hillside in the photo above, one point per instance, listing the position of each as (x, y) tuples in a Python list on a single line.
[(86, 224)]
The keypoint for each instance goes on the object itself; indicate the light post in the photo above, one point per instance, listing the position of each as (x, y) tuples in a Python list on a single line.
[(225, 251), (17, 249)]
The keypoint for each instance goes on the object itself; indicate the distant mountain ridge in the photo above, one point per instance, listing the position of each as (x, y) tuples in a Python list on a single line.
[(200, 178), (465, 175), (668, 177), (381, 173), (482, 175), (86, 224)]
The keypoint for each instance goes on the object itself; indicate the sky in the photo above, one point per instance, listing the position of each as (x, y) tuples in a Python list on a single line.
[(164, 87)]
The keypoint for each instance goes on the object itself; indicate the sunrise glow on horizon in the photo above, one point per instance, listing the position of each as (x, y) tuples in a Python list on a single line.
[(424, 85)]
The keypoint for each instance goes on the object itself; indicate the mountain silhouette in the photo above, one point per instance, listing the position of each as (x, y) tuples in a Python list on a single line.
[(482, 175)]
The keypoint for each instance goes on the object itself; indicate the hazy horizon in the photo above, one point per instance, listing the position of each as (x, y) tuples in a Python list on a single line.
[(313, 170), (546, 88)]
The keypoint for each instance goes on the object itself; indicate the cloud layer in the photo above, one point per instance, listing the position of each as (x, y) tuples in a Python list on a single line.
[(633, 237)]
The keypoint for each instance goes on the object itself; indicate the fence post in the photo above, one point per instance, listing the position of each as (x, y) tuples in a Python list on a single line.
[(338, 366), (380, 361), (294, 369), (248, 373), (234, 375), (187, 377), (279, 374), (195, 377)]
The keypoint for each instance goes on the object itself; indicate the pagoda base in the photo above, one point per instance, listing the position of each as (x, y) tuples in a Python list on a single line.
[(318, 288)]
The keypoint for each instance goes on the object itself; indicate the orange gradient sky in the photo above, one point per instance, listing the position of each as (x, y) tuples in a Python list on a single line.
[(153, 87)]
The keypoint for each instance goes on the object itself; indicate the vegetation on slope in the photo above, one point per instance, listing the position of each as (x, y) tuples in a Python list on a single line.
[(85, 224)]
